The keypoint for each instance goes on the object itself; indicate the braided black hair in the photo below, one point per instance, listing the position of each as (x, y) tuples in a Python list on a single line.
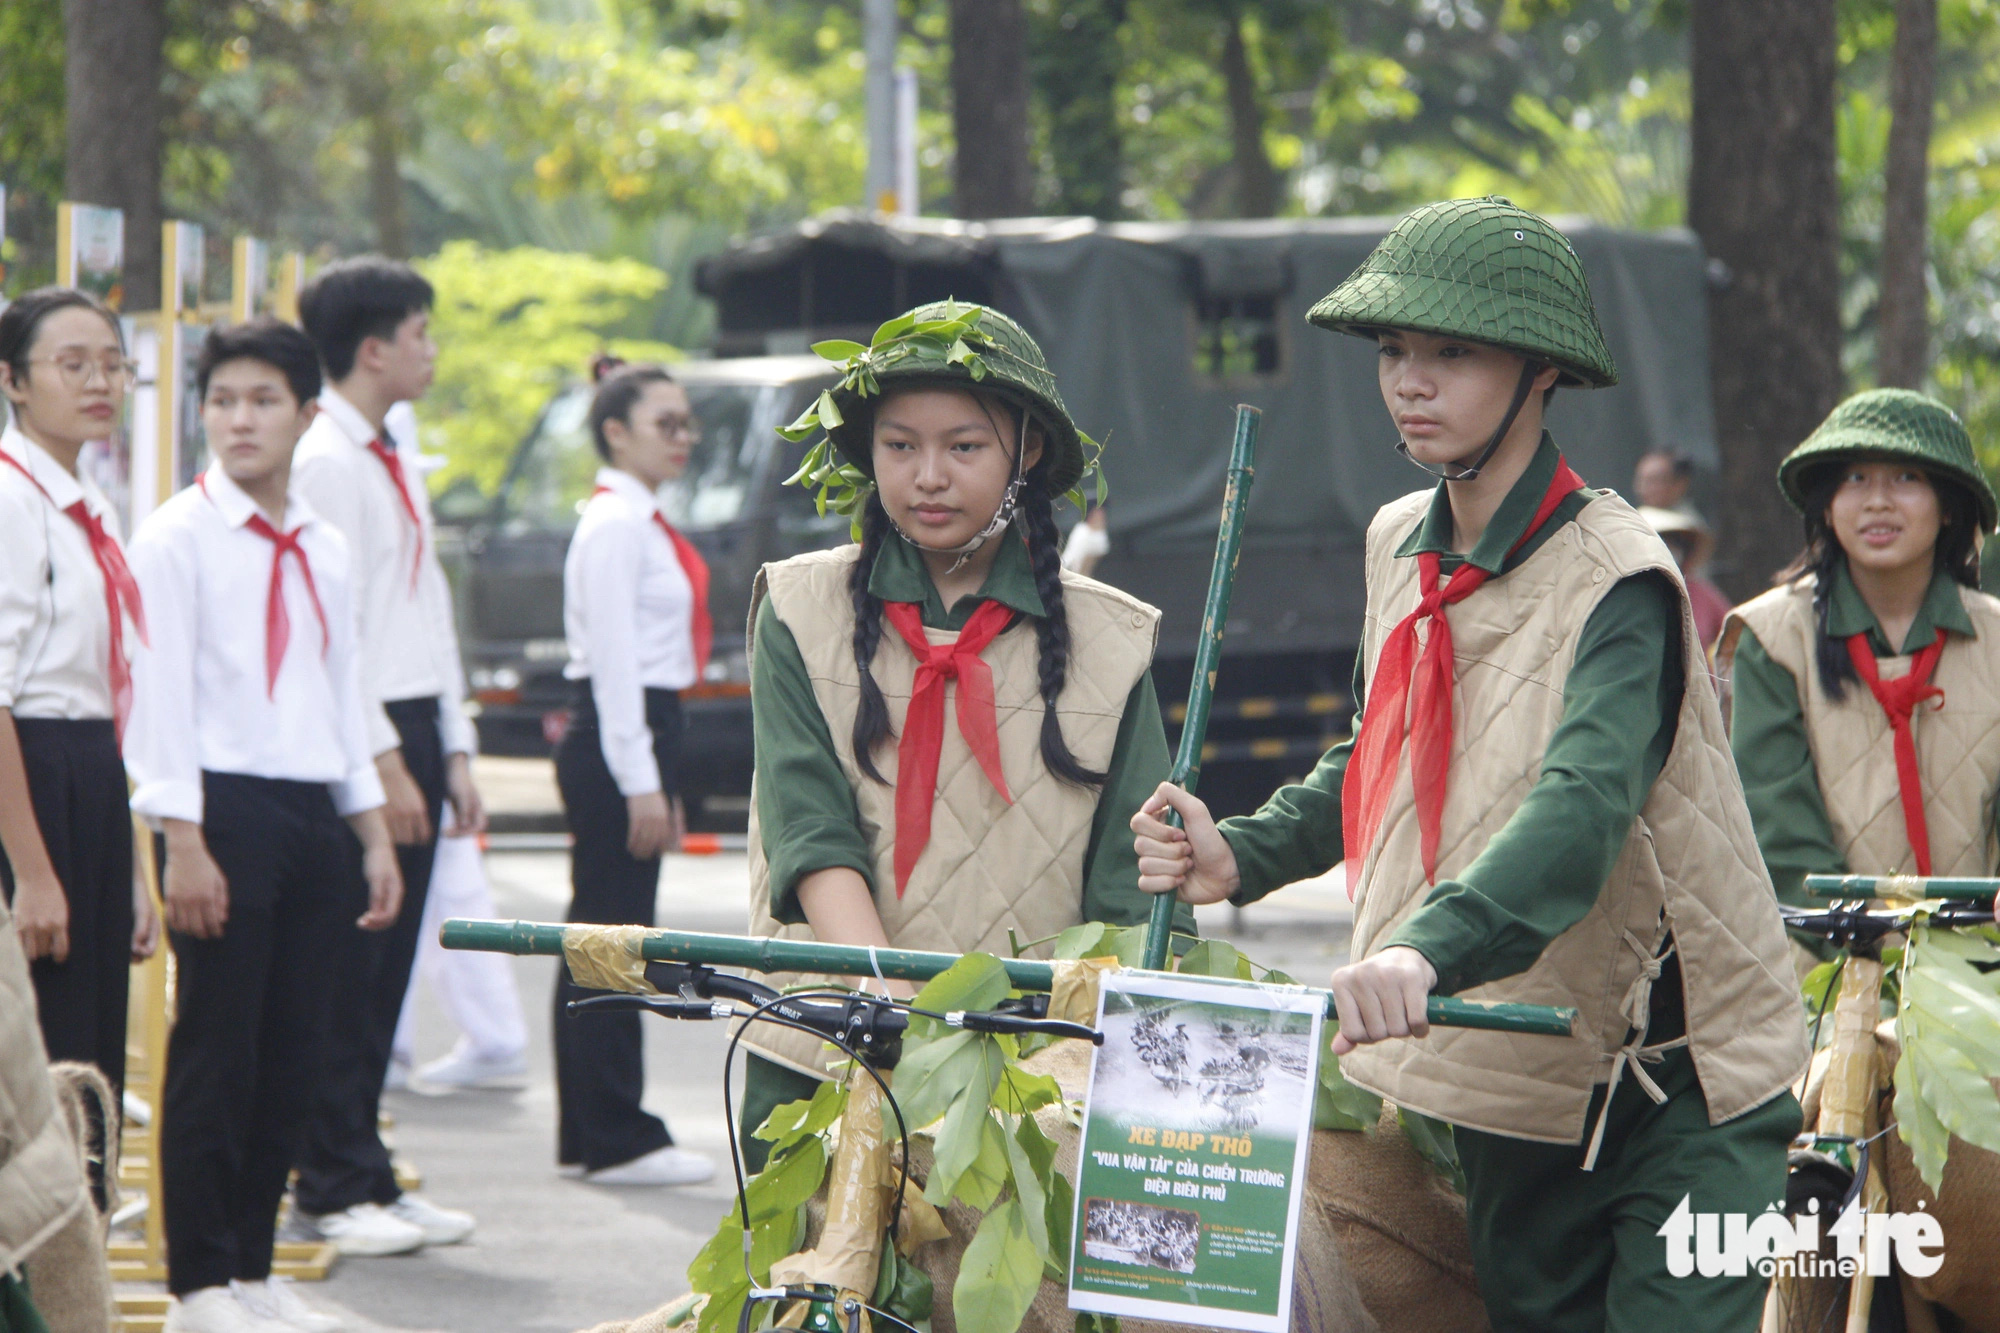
[(1038, 523), (1956, 552), (871, 717), (1035, 516)]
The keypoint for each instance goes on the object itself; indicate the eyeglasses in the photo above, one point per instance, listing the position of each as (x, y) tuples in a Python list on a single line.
[(77, 368), (681, 425)]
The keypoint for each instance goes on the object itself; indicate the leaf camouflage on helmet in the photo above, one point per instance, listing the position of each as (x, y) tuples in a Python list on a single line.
[(950, 344), (1484, 270)]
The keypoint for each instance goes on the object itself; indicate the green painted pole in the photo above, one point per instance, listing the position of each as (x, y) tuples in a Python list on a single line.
[(1914, 887), (1186, 771), (779, 955)]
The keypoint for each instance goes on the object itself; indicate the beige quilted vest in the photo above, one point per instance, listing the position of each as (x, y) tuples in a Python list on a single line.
[(41, 1186), (989, 867), (1690, 864), (1853, 748)]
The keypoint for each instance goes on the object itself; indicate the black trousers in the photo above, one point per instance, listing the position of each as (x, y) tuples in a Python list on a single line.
[(345, 1162), (600, 1064), (76, 782), (247, 1042)]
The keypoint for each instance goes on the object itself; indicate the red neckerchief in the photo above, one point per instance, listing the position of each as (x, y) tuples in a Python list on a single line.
[(1423, 709), (121, 592), (278, 624), (701, 625), (923, 730), (393, 461), (1899, 699)]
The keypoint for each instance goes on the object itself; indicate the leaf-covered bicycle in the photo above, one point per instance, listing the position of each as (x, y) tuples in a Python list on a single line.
[(1914, 998)]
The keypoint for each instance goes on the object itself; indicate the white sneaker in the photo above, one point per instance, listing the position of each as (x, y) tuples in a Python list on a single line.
[(662, 1166), (369, 1229), (217, 1310), (464, 1069), (273, 1298), (441, 1226)]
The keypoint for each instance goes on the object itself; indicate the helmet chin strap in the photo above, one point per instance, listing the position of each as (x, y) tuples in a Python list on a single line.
[(1454, 472), (1009, 502)]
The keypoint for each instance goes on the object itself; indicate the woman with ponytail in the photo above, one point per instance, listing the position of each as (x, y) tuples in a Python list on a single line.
[(635, 612), (1866, 685), (882, 815)]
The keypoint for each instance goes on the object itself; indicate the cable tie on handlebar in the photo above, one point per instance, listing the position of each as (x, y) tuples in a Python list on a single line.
[(876, 963), (608, 958)]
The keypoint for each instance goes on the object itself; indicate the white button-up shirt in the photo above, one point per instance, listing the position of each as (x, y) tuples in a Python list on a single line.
[(55, 634), (201, 696), (628, 613), (409, 642)]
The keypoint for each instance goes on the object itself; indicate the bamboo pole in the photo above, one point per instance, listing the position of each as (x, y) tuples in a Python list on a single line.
[(768, 954), (1914, 888), (1208, 651)]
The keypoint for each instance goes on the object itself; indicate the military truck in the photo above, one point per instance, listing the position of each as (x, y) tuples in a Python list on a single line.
[(1155, 331)]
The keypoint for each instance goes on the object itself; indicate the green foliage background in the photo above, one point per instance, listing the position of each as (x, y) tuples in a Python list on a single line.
[(512, 327), (652, 131)]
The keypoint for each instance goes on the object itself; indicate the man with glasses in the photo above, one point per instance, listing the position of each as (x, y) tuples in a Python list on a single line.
[(370, 319)]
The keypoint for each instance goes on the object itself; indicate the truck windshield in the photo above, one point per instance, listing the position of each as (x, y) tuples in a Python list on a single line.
[(554, 473)]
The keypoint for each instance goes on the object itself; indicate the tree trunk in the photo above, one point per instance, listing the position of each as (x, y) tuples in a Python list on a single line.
[(1256, 181), (1764, 197), (111, 76), (1902, 320), (989, 92), (1078, 58), (385, 185)]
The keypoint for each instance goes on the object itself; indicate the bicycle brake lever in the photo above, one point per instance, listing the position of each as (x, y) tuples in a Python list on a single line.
[(1009, 1023), (698, 1010)]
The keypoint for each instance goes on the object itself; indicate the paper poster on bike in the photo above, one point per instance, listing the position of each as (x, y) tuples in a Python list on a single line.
[(1196, 1133)]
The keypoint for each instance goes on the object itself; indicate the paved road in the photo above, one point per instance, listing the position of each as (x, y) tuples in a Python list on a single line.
[(555, 1255)]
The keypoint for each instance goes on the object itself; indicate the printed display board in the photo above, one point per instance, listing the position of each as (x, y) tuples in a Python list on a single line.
[(1195, 1139), (90, 245)]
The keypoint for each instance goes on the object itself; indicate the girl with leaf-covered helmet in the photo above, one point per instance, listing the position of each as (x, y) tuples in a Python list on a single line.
[(1866, 686), (1537, 805), (881, 815)]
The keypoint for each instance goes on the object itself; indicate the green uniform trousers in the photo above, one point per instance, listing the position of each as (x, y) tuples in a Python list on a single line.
[(767, 1085), (1561, 1250), (17, 1310)]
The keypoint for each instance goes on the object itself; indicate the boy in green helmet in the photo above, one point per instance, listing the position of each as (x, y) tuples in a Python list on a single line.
[(1538, 805)]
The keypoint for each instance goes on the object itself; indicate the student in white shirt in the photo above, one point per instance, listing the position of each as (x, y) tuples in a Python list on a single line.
[(635, 611), (370, 319), (248, 748), (69, 613)]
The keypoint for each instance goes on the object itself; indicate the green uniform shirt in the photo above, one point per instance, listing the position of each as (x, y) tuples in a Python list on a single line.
[(805, 809), (1767, 732), (1542, 872)]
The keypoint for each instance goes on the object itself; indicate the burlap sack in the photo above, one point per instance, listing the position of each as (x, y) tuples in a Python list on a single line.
[(69, 1275), (1967, 1206), (1400, 1228)]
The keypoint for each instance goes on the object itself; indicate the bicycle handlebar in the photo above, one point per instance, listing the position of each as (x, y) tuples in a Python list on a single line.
[(781, 955)]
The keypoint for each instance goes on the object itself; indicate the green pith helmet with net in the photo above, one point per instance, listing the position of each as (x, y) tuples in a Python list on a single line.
[(948, 344), (1891, 424), (1483, 270)]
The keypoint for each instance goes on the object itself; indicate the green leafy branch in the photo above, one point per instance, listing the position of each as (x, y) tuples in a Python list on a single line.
[(956, 339), (972, 1088), (792, 1175), (1948, 1023)]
